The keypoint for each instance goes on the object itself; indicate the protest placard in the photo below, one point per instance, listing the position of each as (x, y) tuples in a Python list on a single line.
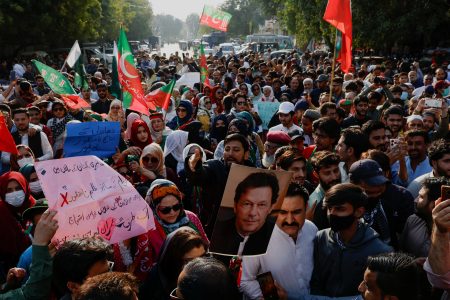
[(266, 110), (92, 138), (92, 199)]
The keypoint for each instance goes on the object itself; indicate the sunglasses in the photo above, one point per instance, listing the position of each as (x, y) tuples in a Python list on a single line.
[(168, 209), (181, 110), (58, 109), (154, 160)]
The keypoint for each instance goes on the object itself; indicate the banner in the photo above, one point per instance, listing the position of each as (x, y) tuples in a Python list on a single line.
[(266, 110), (92, 138), (215, 18), (92, 199), (57, 82)]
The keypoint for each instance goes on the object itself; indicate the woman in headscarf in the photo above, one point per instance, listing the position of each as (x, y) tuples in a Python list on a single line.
[(29, 172), (192, 194), (25, 156), (218, 130), (205, 113), (268, 95), (256, 91), (217, 94), (243, 88), (228, 84), (15, 198), (255, 139), (173, 150), (58, 125), (180, 247), (158, 129), (116, 113), (184, 115), (130, 119), (140, 134)]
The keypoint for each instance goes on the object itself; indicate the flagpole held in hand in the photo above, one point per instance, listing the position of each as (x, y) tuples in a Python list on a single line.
[(333, 65)]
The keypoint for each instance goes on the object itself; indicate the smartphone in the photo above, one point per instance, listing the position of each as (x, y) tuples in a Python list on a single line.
[(267, 285), (394, 142), (435, 103), (445, 192)]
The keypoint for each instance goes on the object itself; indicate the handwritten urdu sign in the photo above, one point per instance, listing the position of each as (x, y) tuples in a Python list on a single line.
[(92, 199), (92, 138)]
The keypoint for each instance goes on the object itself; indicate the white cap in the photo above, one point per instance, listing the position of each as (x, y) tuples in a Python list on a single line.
[(286, 107), (414, 118)]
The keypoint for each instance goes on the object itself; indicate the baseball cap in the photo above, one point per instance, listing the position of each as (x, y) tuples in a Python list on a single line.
[(296, 134), (368, 171), (322, 77), (286, 108), (39, 208)]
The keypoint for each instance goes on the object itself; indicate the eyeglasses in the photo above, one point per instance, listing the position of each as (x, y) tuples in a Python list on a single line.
[(173, 295), (168, 209), (58, 109), (110, 265), (153, 160), (181, 110), (241, 103)]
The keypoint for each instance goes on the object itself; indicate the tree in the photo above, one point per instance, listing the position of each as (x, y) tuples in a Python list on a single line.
[(168, 26), (192, 25), (380, 25), (246, 16), (140, 26)]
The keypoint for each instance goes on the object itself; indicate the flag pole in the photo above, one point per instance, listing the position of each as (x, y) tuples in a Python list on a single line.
[(333, 66)]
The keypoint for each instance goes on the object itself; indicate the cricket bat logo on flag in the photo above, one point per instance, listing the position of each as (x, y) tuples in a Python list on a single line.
[(215, 18)]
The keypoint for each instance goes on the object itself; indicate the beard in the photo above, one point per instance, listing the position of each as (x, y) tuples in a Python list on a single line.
[(327, 186), (268, 161)]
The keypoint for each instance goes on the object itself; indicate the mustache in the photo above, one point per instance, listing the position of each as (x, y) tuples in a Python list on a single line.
[(293, 224)]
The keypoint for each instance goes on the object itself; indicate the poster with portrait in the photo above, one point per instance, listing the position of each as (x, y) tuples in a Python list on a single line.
[(244, 225)]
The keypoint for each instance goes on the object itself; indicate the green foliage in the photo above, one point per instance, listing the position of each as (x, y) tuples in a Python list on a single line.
[(46, 23), (246, 16), (168, 27), (380, 25)]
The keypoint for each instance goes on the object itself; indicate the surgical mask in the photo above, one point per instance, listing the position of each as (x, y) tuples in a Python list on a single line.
[(24, 161), (338, 223), (15, 198), (404, 96), (35, 187), (446, 92)]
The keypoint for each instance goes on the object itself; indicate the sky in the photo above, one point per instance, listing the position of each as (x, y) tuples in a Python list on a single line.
[(181, 8)]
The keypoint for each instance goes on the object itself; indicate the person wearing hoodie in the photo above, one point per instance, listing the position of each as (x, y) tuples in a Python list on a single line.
[(341, 251)]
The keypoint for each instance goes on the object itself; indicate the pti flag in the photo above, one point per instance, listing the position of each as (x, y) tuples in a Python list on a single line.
[(74, 54), (215, 18), (339, 14), (161, 96), (203, 67), (129, 77), (6, 142)]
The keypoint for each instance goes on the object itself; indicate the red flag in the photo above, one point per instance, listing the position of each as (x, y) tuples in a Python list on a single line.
[(74, 101), (161, 96), (7, 143), (215, 18), (203, 68), (339, 14)]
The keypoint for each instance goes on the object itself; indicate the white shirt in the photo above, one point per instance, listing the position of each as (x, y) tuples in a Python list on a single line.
[(45, 144), (291, 263), (280, 127)]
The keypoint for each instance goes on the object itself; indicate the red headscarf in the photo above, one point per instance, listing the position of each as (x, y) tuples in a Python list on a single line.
[(29, 200), (215, 100), (134, 129)]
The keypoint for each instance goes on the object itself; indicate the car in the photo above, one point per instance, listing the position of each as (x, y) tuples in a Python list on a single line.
[(285, 52), (227, 48)]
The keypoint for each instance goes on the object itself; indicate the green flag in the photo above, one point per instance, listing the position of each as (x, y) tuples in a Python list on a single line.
[(115, 88), (80, 81), (57, 82)]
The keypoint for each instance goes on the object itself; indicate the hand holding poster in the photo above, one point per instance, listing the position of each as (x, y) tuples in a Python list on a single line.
[(92, 138), (92, 199), (266, 110), (244, 225)]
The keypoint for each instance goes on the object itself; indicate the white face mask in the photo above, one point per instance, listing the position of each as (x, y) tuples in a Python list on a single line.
[(35, 187), (26, 160), (15, 198)]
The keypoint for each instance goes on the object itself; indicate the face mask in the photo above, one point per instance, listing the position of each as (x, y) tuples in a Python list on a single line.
[(35, 187), (338, 223), (404, 96), (26, 160), (15, 198), (446, 92)]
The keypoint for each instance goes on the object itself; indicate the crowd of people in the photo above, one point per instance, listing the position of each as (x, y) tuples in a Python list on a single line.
[(363, 216)]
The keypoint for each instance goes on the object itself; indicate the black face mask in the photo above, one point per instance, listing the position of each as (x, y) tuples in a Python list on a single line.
[(338, 223)]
